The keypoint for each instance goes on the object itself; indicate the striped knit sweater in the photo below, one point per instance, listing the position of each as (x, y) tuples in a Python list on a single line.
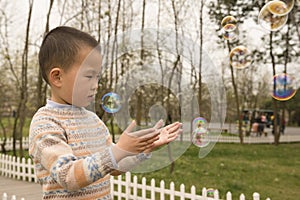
[(70, 147)]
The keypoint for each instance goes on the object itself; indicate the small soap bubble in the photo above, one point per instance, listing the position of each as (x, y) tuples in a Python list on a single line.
[(200, 133), (270, 21), (285, 87), (200, 120), (240, 57), (230, 32), (201, 137), (228, 20), (111, 102), (210, 192)]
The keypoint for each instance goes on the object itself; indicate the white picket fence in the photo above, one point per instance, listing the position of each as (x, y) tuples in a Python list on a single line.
[(13, 197), (9, 143), (23, 169)]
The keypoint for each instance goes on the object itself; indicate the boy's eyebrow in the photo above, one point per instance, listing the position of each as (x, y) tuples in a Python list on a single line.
[(91, 70)]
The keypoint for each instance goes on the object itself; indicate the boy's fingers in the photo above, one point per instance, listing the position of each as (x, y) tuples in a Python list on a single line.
[(151, 136), (159, 124), (130, 127), (173, 128), (144, 132)]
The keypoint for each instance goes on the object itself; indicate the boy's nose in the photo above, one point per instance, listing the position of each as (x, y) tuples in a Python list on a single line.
[(95, 85)]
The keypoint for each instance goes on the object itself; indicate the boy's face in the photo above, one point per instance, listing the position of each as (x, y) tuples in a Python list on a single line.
[(81, 83)]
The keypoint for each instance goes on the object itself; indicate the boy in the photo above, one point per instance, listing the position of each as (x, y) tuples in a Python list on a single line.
[(70, 146)]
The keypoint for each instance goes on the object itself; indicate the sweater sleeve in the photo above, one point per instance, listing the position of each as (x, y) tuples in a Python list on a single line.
[(49, 149)]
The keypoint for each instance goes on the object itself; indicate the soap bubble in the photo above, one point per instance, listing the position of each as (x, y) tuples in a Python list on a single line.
[(285, 87), (229, 28), (201, 137), (228, 20), (230, 32), (200, 120), (111, 102), (281, 7), (210, 192), (145, 90), (269, 20), (240, 57)]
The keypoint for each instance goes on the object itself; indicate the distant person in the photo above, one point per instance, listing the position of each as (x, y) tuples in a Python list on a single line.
[(71, 147)]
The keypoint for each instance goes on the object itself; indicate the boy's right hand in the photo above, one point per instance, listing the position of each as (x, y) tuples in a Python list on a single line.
[(131, 143)]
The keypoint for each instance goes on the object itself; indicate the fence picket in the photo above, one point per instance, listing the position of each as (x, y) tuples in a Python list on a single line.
[(242, 197), (193, 193), (144, 188), (162, 189), (216, 195), (255, 196), (228, 196), (204, 192), (172, 191), (152, 183), (127, 185), (135, 187), (182, 192), (4, 196)]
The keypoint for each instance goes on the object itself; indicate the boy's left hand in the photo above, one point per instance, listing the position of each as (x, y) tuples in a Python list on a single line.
[(167, 134)]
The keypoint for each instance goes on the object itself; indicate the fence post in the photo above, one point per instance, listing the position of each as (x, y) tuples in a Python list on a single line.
[(152, 189), (119, 187), (23, 169), (18, 168), (216, 195), (4, 196), (135, 187), (255, 196), (162, 190), (143, 188), (228, 196), (204, 192), (193, 192), (182, 192), (242, 197), (127, 184), (172, 191), (13, 197), (10, 166)]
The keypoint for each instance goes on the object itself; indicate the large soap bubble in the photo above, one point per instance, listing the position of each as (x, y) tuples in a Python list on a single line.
[(240, 57), (284, 87), (270, 21), (153, 82)]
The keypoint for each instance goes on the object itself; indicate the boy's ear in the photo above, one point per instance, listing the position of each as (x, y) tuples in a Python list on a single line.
[(55, 76)]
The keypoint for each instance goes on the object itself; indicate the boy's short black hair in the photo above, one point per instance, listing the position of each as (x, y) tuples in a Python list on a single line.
[(60, 48)]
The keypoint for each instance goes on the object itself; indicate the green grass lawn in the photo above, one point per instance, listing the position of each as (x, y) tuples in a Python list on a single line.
[(272, 171)]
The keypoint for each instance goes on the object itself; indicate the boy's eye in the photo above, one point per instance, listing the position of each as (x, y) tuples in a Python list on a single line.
[(89, 77)]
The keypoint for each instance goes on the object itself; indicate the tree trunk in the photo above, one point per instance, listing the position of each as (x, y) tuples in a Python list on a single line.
[(275, 106), (236, 95)]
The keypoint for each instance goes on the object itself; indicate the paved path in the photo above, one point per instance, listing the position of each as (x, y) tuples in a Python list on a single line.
[(22, 189)]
